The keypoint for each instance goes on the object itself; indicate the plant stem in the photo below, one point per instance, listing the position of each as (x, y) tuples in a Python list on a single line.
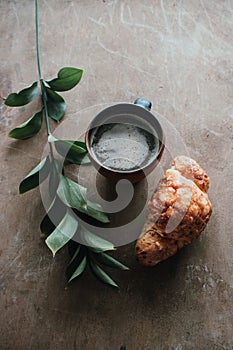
[(42, 86), (43, 91), (37, 41), (44, 98)]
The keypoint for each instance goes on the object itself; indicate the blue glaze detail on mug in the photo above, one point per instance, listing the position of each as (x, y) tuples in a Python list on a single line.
[(142, 102)]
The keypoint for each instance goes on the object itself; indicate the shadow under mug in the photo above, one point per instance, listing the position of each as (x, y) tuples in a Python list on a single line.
[(137, 114)]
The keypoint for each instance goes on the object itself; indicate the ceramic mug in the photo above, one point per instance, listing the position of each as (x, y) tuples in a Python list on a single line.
[(132, 117)]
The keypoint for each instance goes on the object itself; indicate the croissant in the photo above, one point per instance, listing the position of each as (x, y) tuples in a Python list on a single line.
[(177, 212)]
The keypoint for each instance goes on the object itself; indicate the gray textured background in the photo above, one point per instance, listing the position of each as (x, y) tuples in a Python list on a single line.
[(179, 55)]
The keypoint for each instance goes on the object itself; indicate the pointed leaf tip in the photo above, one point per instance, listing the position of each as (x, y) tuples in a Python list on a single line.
[(36, 176), (75, 255), (28, 129), (79, 270), (93, 241), (62, 233), (102, 275), (67, 78), (108, 260), (23, 97)]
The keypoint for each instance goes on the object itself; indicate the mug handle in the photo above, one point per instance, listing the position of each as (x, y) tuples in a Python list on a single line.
[(142, 102)]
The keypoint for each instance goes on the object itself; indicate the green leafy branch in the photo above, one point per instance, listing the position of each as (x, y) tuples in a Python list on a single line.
[(61, 225)]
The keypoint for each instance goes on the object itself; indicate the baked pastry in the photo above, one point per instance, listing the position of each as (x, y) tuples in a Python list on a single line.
[(177, 212)]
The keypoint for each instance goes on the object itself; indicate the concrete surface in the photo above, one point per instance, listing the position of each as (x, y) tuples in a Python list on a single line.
[(178, 54)]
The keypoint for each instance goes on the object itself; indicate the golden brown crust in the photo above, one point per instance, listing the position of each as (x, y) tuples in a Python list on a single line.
[(153, 248), (177, 212), (190, 169)]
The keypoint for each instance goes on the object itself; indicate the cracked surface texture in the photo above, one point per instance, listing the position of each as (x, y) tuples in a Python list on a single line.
[(179, 55), (178, 212)]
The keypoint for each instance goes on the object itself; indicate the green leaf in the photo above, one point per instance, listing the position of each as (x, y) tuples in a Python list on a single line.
[(75, 254), (54, 177), (68, 77), (23, 97), (53, 217), (97, 243), (80, 159), (71, 193), (79, 270), (74, 152), (62, 233), (56, 105), (74, 196), (102, 275), (65, 146), (29, 128), (69, 151), (36, 176), (72, 247), (108, 260), (96, 211), (46, 225)]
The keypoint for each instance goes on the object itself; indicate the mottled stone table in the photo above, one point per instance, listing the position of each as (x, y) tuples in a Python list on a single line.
[(179, 55)]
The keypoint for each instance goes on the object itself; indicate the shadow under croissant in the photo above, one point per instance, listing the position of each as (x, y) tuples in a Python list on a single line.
[(167, 276)]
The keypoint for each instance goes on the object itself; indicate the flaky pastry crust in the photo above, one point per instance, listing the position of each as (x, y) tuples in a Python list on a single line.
[(177, 212)]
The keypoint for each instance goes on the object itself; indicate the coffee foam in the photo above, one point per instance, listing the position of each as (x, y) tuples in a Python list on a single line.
[(123, 147)]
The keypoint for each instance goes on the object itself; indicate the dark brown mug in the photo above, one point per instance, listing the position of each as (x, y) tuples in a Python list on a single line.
[(137, 114)]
